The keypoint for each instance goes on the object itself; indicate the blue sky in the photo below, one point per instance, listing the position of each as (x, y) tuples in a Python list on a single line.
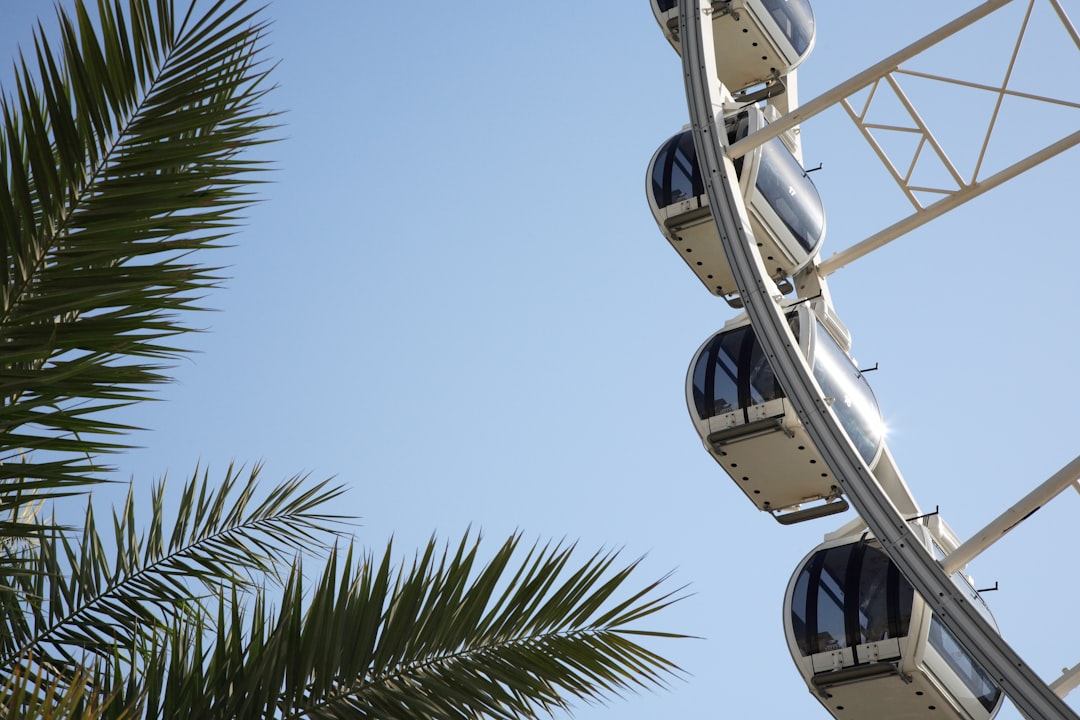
[(455, 300)]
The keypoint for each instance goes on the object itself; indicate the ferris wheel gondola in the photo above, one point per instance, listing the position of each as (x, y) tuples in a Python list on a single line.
[(757, 41), (750, 428), (786, 214), (867, 644)]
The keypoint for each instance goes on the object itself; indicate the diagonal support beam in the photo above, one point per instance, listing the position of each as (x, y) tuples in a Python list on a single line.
[(883, 237), (1022, 510)]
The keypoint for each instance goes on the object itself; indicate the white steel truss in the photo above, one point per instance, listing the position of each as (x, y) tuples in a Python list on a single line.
[(885, 79), (1032, 697)]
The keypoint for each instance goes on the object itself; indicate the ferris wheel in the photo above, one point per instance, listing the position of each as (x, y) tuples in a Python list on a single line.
[(881, 619)]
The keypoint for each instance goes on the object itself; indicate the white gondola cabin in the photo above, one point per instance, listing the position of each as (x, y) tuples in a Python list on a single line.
[(749, 426), (786, 214), (757, 41), (868, 646)]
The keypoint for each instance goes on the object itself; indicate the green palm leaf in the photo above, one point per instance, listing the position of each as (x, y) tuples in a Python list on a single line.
[(75, 601), (122, 151), (441, 638)]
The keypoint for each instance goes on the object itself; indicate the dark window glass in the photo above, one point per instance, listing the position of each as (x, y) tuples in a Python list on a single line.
[(705, 359), (790, 193), (725, 390), (849, 595), (716, 376), (737, 128), (732, 372), (799, 622), (854, 403), (831, 633), (666, 5), (974, 677), (796, 21), (885, 598), (676, 175), (763, 383)]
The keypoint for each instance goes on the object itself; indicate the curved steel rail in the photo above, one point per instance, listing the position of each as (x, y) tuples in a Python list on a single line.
[(1032, 697)]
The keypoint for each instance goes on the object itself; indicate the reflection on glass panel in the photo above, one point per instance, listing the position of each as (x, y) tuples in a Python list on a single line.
[(795, 18), (790, 193), (854, 403), (974, 677)]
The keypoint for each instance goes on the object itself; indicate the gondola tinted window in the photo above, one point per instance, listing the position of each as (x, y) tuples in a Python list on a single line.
[(882, 614), (785, 186), (781, 181), (795, 18), (853, 401), (849, 595), (716, 389), (974, 677), (732, 372), (666, 5), (676, 175), (829, 631)]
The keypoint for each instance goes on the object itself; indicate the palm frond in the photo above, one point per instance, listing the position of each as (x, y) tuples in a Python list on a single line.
[(35, 693), (438, 639), (122, 151), (74, 599)]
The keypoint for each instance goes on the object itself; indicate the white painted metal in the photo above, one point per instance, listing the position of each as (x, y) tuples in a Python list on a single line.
[(896, 230), (1012, 517), (963, 188), (1069, 680), (1031, 696), (1063, 16), (857, 82), (751, 47)]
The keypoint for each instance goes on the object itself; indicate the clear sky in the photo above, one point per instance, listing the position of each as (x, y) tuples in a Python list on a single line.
[(455, 300)]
